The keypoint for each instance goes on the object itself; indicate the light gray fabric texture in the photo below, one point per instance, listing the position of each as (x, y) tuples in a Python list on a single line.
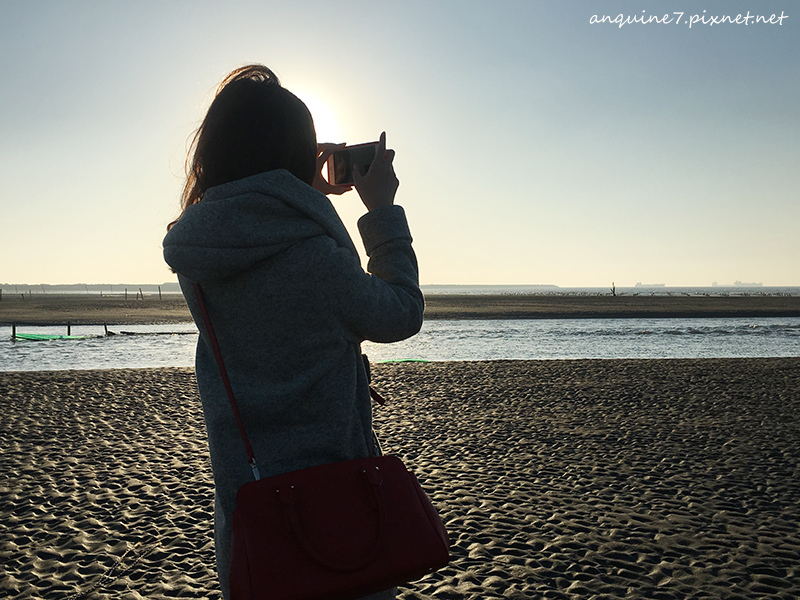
[(290, 304)]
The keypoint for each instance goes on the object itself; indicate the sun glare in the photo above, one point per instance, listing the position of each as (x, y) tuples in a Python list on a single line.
[(325, 121)]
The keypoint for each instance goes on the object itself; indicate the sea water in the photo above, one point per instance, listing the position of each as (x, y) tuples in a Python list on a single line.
[(136, 346)]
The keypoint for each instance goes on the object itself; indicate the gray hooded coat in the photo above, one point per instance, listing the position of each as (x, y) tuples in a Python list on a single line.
[(290, 304)]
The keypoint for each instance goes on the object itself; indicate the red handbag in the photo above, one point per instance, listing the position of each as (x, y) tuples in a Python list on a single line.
[(335, 532)]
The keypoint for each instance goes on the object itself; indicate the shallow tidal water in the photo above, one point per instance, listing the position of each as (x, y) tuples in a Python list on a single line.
[(141, 346)]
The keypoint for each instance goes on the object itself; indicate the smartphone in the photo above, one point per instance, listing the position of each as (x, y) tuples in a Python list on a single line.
[(341, 162)]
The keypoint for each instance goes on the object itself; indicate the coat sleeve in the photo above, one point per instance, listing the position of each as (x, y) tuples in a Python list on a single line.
[(385, 304)]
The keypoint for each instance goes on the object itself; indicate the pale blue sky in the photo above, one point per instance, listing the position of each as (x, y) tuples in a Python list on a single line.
[(532, 147)]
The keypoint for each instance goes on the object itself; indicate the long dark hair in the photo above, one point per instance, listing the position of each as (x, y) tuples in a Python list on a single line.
[(252, 126)]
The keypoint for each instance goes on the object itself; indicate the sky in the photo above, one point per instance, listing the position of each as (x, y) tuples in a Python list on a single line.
[(533, 146)]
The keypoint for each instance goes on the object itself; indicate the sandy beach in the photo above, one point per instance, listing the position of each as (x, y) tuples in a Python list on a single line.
[(557, 479), (55, 309)]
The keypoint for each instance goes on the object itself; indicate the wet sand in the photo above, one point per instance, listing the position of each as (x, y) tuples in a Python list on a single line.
[(557, 479), (55, 309), (92, 309), (554, 306)]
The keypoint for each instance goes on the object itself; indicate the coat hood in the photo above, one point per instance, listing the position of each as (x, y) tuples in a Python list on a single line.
[(241, 223)]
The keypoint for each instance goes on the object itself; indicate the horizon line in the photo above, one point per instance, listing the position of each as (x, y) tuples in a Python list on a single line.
[(638, 285)]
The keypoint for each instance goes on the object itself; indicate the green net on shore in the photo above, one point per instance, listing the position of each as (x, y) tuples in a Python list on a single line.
[(404, 360), (47, 336)]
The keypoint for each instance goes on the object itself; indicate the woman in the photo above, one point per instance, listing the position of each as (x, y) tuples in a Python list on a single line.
[(283, 283)]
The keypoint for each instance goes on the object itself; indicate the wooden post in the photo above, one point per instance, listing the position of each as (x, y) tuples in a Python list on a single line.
[(13, 332), (1, 293), (126, 293), (69, 328), (159, 293), (141, 293), (105, 326)]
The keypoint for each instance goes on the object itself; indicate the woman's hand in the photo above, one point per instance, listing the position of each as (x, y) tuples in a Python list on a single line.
[(378, 187), (324, 152)]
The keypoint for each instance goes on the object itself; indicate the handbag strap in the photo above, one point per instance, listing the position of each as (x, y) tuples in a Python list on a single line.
[(251, 457)]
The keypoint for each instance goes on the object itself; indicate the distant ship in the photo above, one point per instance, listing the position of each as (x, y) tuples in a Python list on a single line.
[(640, 284)]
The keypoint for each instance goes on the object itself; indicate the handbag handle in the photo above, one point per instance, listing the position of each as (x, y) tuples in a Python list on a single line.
[(201, 302)]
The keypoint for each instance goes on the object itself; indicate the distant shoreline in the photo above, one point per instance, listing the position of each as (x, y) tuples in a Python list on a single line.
[(172, 287), (554, 306), (92, 309)]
